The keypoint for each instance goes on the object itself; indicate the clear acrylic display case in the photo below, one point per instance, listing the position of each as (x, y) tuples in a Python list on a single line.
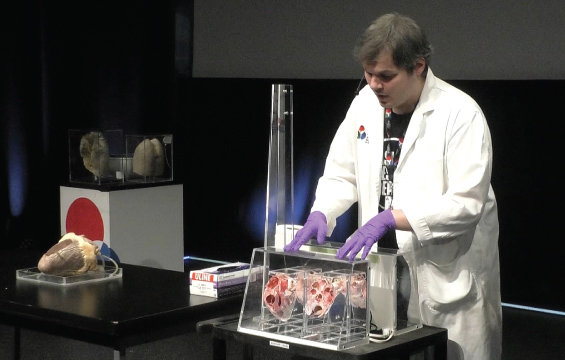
[(149, 158), (393, 288), (104, 272), (96, 156), (307, 298)]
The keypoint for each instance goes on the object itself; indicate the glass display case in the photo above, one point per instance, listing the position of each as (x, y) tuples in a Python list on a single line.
[(307, 298), (149, 158), (393, 288), (96, 156)]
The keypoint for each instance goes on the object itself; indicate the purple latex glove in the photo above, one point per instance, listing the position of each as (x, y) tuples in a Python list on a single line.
[(367, 235), (315, 225)]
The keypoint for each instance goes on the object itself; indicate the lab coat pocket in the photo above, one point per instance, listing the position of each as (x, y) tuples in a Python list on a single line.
[(447, 288)]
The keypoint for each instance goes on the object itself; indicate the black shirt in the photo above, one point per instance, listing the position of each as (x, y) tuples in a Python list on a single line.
[(395, 126)]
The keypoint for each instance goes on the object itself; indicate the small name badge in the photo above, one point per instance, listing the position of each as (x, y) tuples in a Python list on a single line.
[(278, 344)]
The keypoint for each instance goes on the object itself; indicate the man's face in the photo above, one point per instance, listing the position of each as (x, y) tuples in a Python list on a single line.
[(394, 86)]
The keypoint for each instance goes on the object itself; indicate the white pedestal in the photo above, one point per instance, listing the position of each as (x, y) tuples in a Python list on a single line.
[(140, 226)]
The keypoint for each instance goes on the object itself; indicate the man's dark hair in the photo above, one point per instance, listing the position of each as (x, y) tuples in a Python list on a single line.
[(397, 33)]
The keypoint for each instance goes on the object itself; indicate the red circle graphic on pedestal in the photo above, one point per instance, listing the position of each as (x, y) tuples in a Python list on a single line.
[(84, 218)]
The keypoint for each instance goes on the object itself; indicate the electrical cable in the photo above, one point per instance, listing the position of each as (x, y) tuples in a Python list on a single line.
[(113, 262), (376, 338), (167, 141), (379, 338)]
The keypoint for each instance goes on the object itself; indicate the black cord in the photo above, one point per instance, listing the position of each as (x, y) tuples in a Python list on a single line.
[(359, 87)]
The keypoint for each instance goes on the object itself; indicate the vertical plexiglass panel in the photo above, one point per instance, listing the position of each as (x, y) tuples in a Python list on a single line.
[(280, 186)]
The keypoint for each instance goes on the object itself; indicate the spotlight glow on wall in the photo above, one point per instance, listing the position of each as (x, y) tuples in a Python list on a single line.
[(17, 165)]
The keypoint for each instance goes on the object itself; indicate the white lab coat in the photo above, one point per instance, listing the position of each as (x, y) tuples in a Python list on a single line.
[(442, 183)]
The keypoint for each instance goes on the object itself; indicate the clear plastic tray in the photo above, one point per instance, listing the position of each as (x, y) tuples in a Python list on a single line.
[(104, 273)]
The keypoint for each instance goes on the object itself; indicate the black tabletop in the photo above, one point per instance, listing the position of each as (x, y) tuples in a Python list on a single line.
[(399, 347), (144, 301)]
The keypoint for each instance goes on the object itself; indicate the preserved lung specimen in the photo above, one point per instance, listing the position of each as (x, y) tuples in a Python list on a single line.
[(148, 158)]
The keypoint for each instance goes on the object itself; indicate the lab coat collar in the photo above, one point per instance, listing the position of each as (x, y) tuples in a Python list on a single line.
[(428, 95), (425, 105)]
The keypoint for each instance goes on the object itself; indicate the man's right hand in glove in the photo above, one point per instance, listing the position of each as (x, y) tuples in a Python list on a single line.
[(315, 225)]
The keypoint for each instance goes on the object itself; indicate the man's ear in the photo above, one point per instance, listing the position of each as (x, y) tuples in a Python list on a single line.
[(419, 66)]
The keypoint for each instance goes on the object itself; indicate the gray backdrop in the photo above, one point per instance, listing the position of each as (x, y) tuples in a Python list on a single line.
[(313, 39)]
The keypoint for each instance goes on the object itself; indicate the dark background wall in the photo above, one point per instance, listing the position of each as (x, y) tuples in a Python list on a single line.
[(93, 65), (204, 73)]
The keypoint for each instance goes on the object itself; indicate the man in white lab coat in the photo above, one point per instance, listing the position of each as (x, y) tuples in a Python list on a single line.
[(415, 153)]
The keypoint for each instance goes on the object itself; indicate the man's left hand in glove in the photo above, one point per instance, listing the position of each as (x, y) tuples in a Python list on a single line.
[(367, 235)]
